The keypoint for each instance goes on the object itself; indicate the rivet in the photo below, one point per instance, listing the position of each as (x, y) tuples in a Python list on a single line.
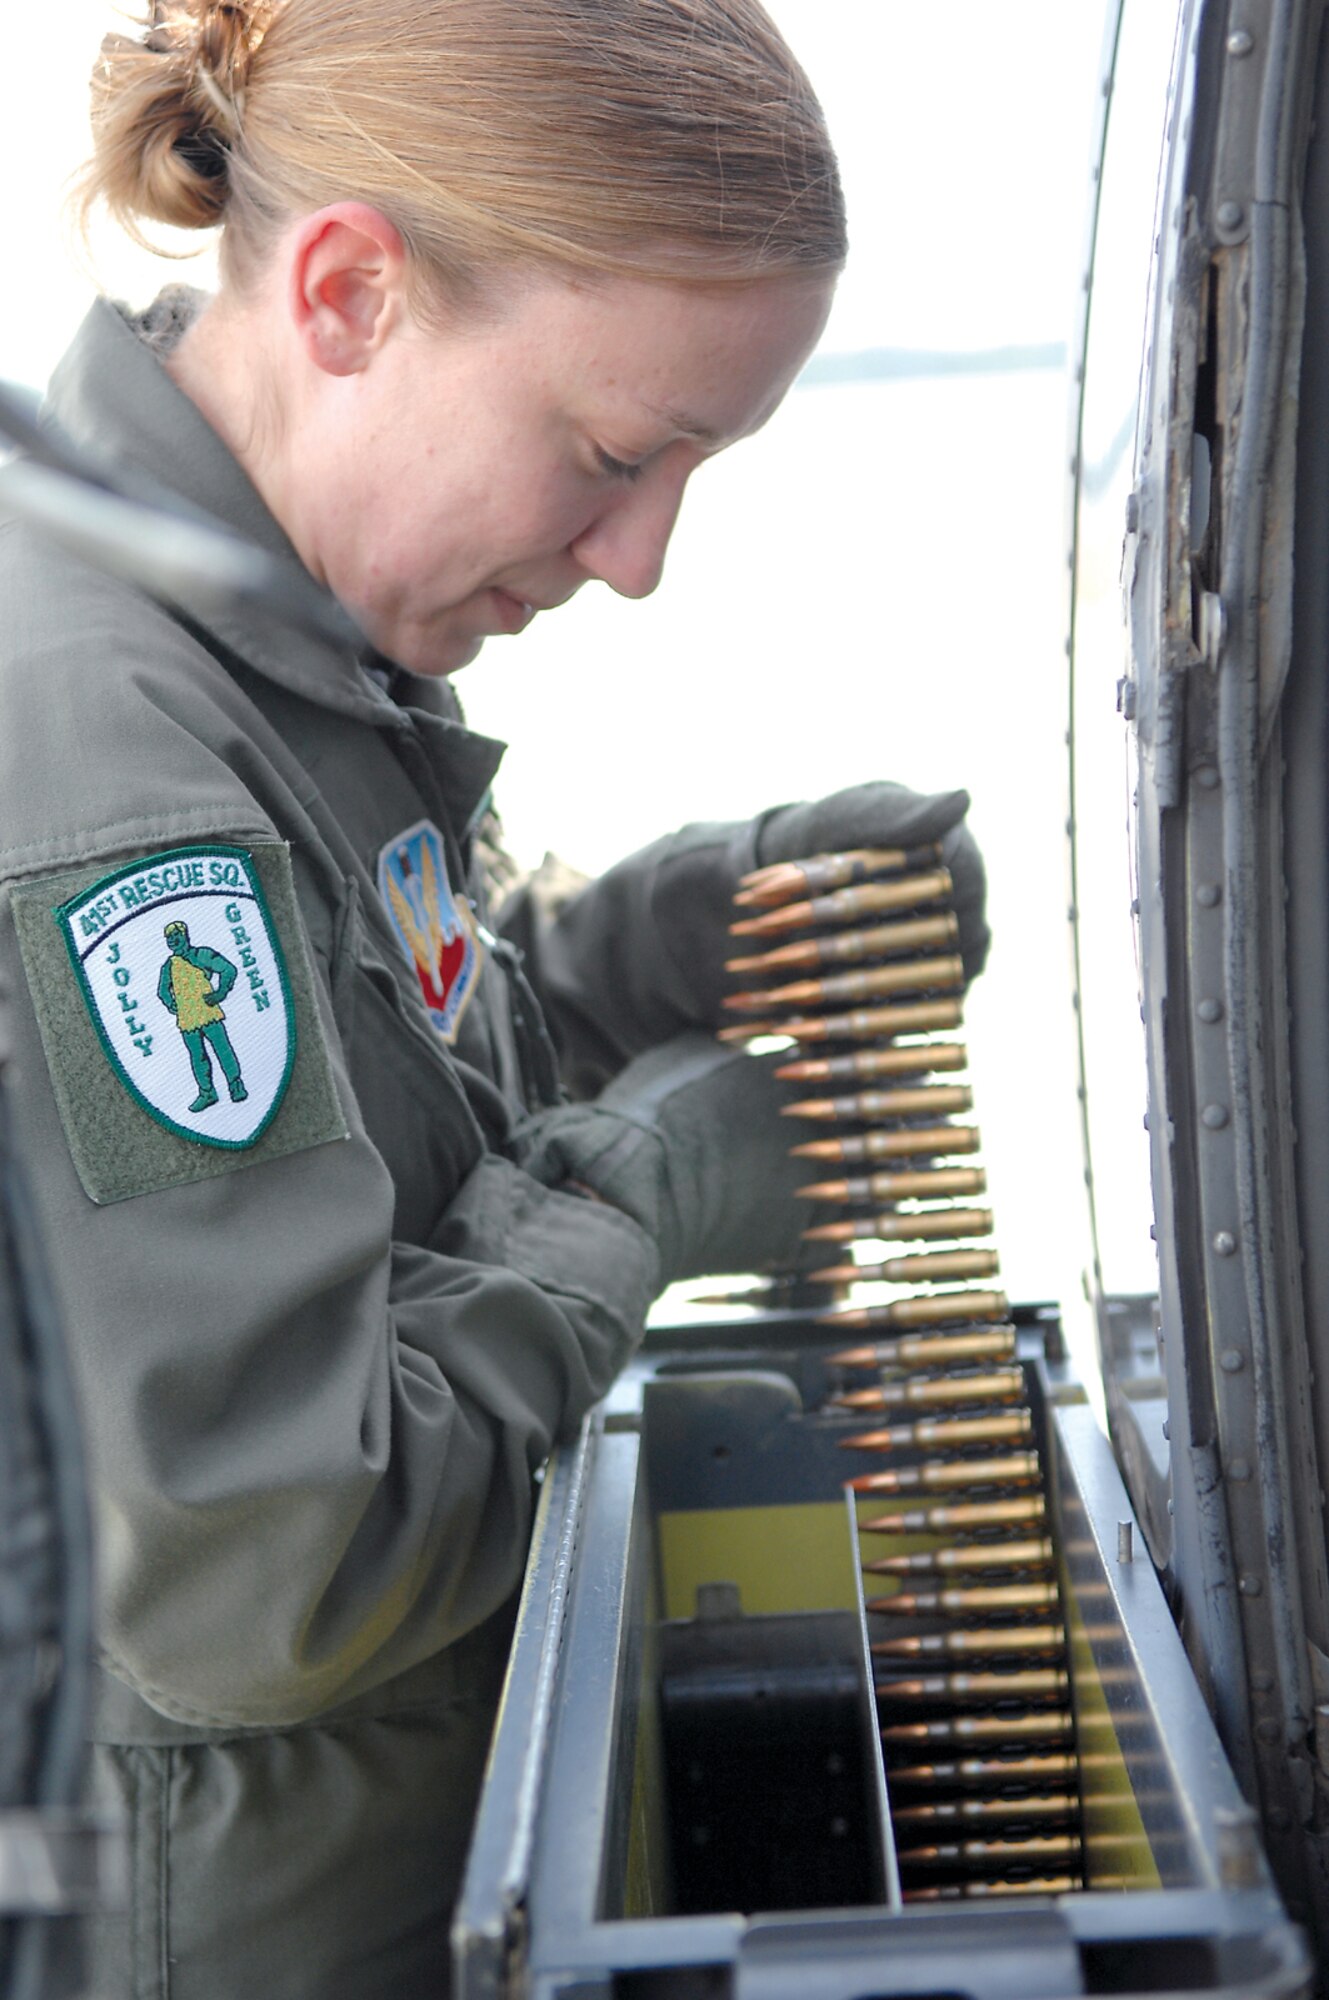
[(1214, 1116), (1209, 895), (1250, 1586), (1132, 512), (1268, 1729), (1240, 1469), (1171, 1506), (1207, 777), (1229, 215), (1232, 1361), (1225, 1243), (1125, 1552), (1210, 1010), (1240, 42), (1167, 1427), (1262, 1681)]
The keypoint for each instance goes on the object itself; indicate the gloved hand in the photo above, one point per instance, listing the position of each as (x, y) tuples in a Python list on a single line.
[(889, 815), (688, 1140)]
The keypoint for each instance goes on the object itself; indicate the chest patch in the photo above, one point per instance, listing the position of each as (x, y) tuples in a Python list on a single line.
[(433, 926), (180, 967)]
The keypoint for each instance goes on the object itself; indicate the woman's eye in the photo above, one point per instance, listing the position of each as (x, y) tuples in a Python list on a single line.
[(617, 468)]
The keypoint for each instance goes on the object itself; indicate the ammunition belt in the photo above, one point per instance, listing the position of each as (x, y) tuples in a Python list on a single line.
[(967, 1630)]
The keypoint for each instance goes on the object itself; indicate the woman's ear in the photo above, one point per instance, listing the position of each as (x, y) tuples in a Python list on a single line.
[(347, 284)]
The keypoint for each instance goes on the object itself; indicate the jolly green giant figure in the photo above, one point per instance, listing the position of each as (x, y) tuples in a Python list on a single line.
[(186, 987)]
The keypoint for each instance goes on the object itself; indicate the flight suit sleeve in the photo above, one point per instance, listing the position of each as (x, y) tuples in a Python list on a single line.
[(313, 1446)]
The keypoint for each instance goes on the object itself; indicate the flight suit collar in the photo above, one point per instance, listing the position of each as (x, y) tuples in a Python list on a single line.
[(112, 397)]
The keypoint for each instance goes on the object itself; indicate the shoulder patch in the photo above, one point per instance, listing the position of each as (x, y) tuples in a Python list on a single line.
[(434, 927), (178, 1017)]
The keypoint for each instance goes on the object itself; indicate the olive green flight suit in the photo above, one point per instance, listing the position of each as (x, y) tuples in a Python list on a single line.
[(319, 1374)]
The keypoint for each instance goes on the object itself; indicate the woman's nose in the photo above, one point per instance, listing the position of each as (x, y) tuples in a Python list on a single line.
[(625, 544)]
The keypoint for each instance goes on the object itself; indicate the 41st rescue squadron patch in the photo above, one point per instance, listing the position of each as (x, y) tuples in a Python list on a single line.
[(433, 926), (181, 970)]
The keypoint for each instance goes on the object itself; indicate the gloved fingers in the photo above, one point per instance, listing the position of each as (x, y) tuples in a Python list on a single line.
[(962, 855), (880, 814)]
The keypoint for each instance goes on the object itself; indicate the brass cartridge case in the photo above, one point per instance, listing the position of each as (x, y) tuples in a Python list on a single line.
[(846, 906), (867, 1065), (865, 1024), (964, 1892), (1055, 1766), (964, 1600), (1027, 1507), (1050, 1725), (919, 1226), (898, 1143), (853, 947), (991, 1641), (921, 1183), (942, 973), (984, 1812), (1035, 1553), (930, 1391), (945, 1434), (1041, 1848), (981, 1689), (869, 1107), (927, 1267), (925, 1350), (1017, 1468), (928, 1309), (814, 875), (916, 975)]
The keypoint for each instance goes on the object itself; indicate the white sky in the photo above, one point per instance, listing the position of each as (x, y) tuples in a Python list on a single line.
[(875, 586)]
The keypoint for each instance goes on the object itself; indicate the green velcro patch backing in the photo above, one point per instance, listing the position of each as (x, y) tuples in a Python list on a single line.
[(177, 1012)]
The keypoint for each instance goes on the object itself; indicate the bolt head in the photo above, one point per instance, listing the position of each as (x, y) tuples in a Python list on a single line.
[(1240, 1470), (1232, 1361), (1229, 215), (1240, 42), (1214, 1117), (1209, 895), (1225, 1245), (1210, 1010)]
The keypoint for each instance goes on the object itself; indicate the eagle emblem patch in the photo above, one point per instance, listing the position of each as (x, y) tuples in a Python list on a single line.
[(434, 928), (180, 967)]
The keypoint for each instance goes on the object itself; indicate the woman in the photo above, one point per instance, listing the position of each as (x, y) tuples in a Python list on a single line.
[(338, 1262)]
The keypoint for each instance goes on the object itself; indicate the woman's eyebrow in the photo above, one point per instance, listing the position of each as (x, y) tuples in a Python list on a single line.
[(679, 420)]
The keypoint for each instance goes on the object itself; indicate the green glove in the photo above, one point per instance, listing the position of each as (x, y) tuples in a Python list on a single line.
[(888, 815), (688, 1140)]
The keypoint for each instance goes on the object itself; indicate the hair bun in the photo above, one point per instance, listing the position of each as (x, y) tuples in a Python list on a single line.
[(167, 107)]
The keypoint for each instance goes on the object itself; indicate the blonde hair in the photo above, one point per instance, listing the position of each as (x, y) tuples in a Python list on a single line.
[(651, 138)]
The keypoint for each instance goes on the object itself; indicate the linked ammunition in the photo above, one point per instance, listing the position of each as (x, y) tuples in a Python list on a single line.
[(998, 1386), (965, 1599), (1033, 1554), (933, 1309), (963, 1892), (995, 1343), (944, 1433), (994, 1853), (866, 1065), (984, 1771), (992, 1641), (982, 1812), (922, 1269), (853, 947), (1035, 1725), (921, 1226), (916, 975), (845, 906), (780, 880), (921, 1183), (966, 1514), (902, 1143), (1017, 1468), (1023, 1683), (871, 1107)]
